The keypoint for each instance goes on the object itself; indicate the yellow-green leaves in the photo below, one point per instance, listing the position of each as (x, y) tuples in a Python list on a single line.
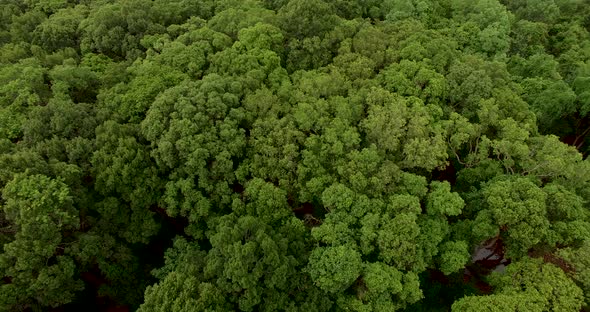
[(440, 200), (334, 269)]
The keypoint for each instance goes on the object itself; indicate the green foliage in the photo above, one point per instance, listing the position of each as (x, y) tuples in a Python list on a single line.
[(334, 269), (294, 155), (60, 30), (40, 214), (125, 176), (529, 285)]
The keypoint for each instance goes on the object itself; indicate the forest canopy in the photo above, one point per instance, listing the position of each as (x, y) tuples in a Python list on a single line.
[(294, 155)]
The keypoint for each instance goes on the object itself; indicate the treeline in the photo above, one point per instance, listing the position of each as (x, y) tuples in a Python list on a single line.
[(294, 155)]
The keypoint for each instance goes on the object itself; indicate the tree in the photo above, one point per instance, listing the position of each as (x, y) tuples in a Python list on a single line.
[(60, 30), (22, 87), (195, 137), (530, 285), (116, 29), (42, 219), (304, 19), (487, 23), (257, 253), (128, 181)]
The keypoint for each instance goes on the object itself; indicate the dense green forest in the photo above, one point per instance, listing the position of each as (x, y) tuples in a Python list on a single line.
[(294, 155)]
